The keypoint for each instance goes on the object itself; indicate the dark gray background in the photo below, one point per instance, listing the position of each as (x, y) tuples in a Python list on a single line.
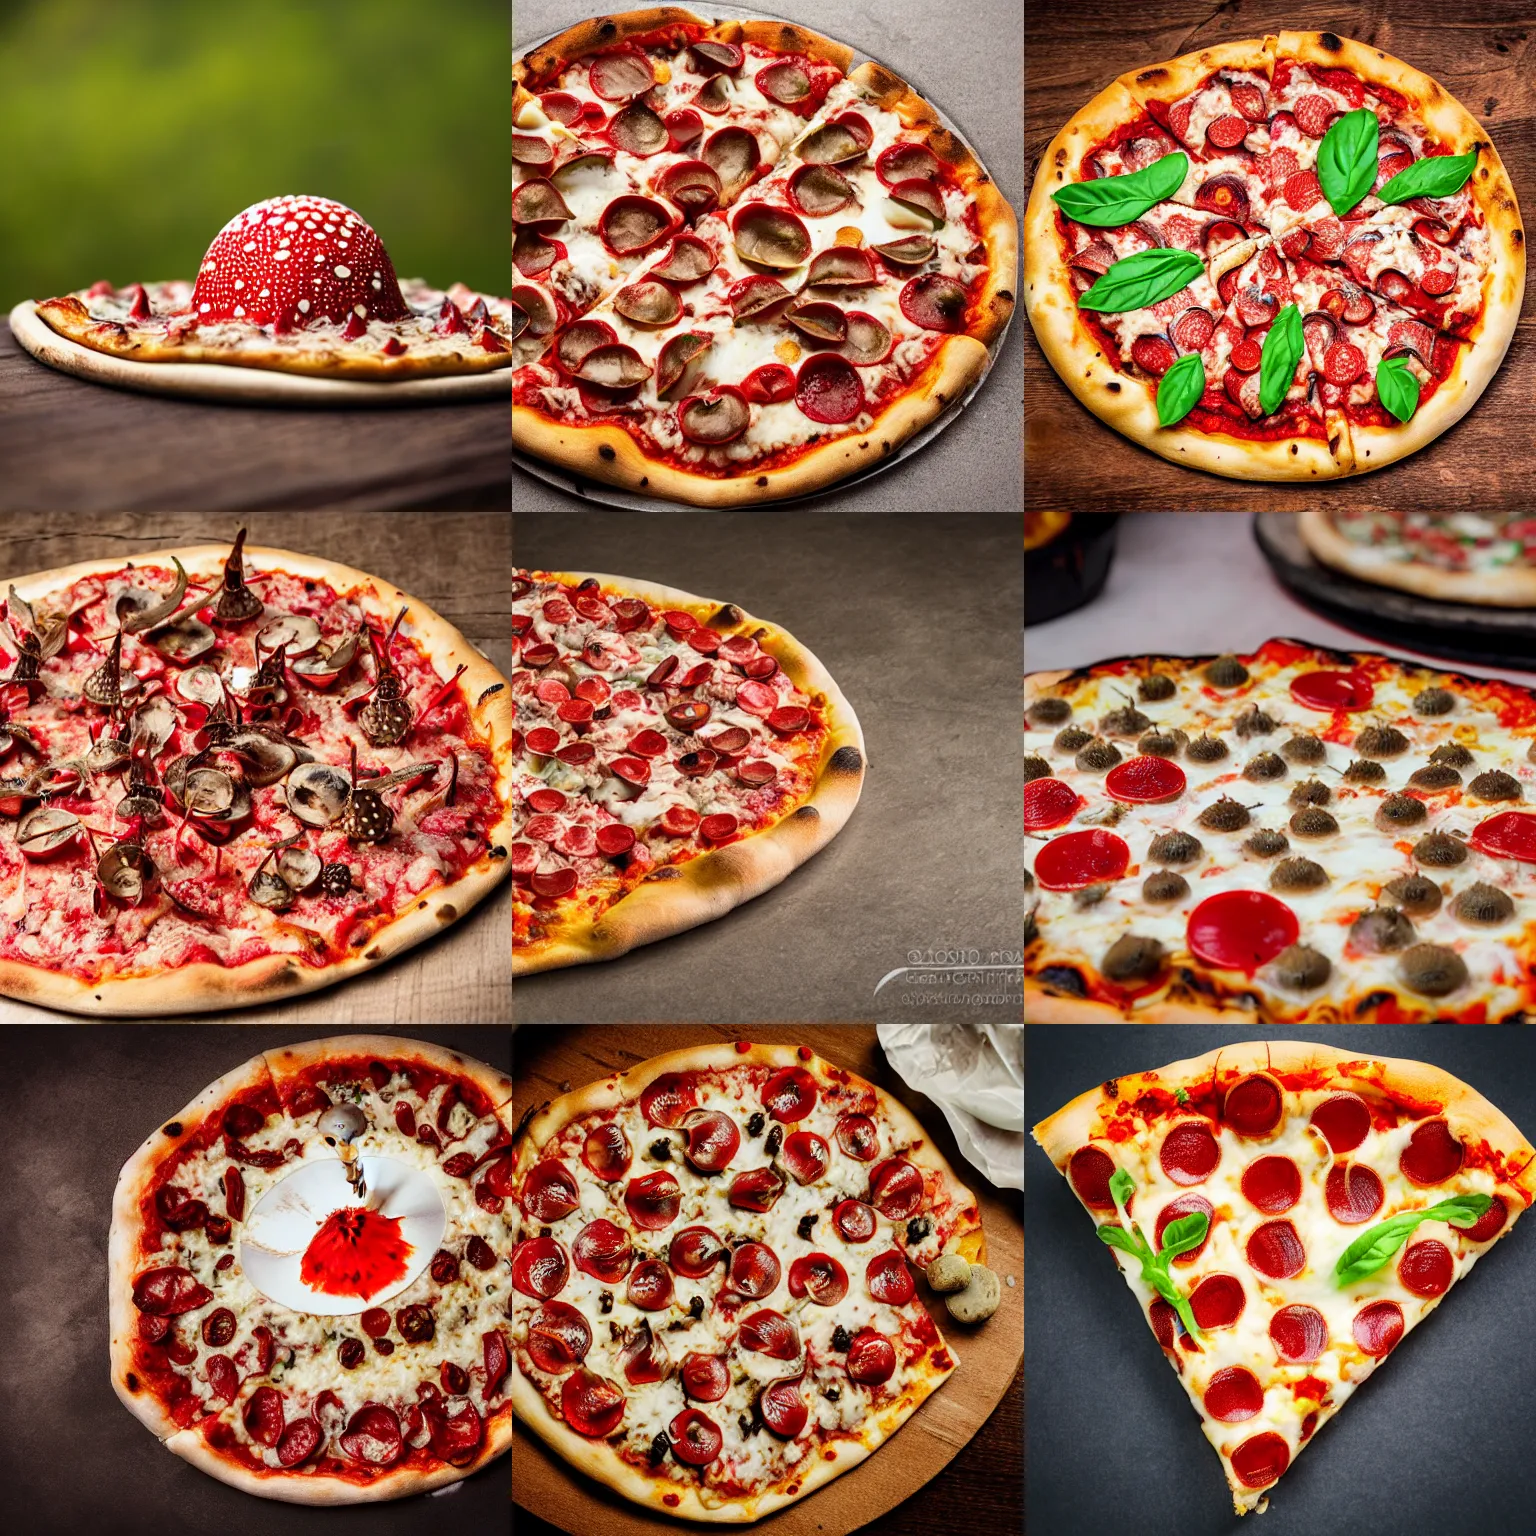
[(969, 61), (1437, 1442), (72, 1458), (918, 619)]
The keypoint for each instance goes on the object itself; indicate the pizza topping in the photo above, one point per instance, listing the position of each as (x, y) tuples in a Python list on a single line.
[(1354, 1193), (855, 1221), (1233, 1394), (1189, 1153), (1259, 1460), (1218, 1300), (1275, 1250), (1432, 1155), (1181, 1206), (1378, 1327), (169, 1291)]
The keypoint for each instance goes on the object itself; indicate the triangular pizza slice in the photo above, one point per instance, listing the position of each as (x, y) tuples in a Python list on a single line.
[(1285, 1213)]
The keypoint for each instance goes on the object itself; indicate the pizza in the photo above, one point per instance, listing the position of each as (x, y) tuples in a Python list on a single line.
[(1296, 836), (293, 285), (231, 775), (672, 757), (1285, 258), (1461, 557), (1285, 1213), (743, 269), (712, 1307), (339, 1402)]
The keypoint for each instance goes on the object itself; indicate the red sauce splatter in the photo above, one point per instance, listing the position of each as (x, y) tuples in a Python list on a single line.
[(356, 1252)]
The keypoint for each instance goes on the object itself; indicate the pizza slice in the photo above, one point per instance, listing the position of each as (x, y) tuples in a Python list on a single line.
[(1285, 1214)]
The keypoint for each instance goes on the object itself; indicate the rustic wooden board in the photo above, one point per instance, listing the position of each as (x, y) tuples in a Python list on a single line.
[(455, 563), (1486, 59), (548, 1060)]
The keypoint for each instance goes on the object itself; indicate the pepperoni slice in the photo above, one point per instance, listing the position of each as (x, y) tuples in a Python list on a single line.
[(1343, 363), (1259, 1460), (1189, 1153), (1249, 100), (1233, 1394), (1196, 326), (1185, 1205), (1276, 1251), (1090, 1171), (1217, 1301), (1241, 930), (1162, 1317), (1333, 691), (1509, 835), (1049, 803), (1353, 1192), (1227, 132), (1313, 116), (1427, 1268), (1155, 354), (1489, 1224), (1378, 1327), (1076, 860), (1247, 355), (1432, 1154), (1299, 1334), (1272, 1185), (1144, 781), (1302, 190), (1344, 1120), (1437, 282), (1253, 1106)]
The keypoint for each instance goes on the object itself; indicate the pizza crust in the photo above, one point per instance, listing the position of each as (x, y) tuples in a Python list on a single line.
[(682, 896), (288, 1061), (205, 987), (537, 67)]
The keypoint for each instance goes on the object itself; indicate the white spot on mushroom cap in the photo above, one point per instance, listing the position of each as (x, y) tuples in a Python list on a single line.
[(248, 247), (203, 309), (376, 284), (266, 293), (303, 306), (239, 284), (239, 312), (281, 255), (343, 272), (360, 310)]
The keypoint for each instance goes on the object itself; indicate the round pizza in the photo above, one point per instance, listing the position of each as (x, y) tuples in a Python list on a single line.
[(388, 1375), (743, 270), (672, 758), (1285, 1213), (1460, 557), (713, 1310), (1294, 836), (1285, 258), (299, 288), (234, 775)]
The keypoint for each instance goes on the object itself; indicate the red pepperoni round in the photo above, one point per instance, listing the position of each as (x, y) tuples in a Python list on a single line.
[(1260, 1459), (1249, 100), (1189, 1153), (1241, 930), (1333, 691), (1076, 860), (1155, 354), (1162, 1316), (1343, 363), (1227, 132), (1253, 1106), (1299, 1334), (1272, 1185), (1233, 1395), (1196, 326), (1090, 1171), (1509, 835), (1049, 803), (1353, 1192), (1432, 1154), (1314, 114), (1427, 1268), (1144, 781), (1276, 1251), (1489, 1224), (1179, 1206), (1247, 355), (1437, 282), (1302, 190), (1378, 1327), (1344, 1120), (1217, 1301)]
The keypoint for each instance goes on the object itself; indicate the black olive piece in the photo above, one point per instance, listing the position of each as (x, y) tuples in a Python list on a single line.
[(1304, 749), (546, 1231), (1434, 778), (660, 1150), (1065, 979), (1160, 743), (756, 1123), (1311, 792), (1313, 822), (840, 1339), (1133, 957), (1089, 896), (1381, 741), (1382, 931), (1225, 815), (806, 1227), (1266, 843), (1440, 850), (1155, 687), (1301, 968), (1128, 721), (1070, 739), (1495, 784), (775, 1141), (1483, 905), (1434, 701), (696, 1308), (1267, 765), (1164, 885), (676, 1326), (1398, 811), (1364, 771), (918, 1228), (659, 1448), (1432, 970), (1048, 711), (1253, 722), (1226, 672), (1416, 895), (832, 1394), (1175, 848), (1206, 749), (1098, 757), (1035, 768), (744, 1424), (605, 1302), (1452, 754), (1295, 875)]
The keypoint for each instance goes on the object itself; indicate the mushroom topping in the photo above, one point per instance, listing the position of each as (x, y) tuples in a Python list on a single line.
[(1206, 749), (1164, 886), (1098, 757), (299, 868), (1070, 738), (1398, 811), (1415, 894), (47, 830), (137, 609), (770, 237), (269, 890), (1301, 968), (1224, 815), (237, 602), (1226, 672), (321, 668), (1156, 687), (1304, 749), (266, 758), (1484, 905), (154, 723), (366, 818), (317, 793), (1381, 931), (297, 633), (1432, 970), (1293, 876), (1266, 843), (1267, 765), (1175, 848), (184, 641), (126, 872), (1133, 958), (1050, 710), (1440, 850), (208, 792)]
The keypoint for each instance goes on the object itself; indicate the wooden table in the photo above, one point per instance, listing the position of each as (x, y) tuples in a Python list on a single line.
[(1484, 56), (455, 562), (76, 447)]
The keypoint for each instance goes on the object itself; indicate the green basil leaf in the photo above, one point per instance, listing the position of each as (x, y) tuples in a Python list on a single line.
[(1121, 1186), (1283, 347), (1433, 176), (1115, 200), (1156, 1275), (1347, 160), (1186, 1316), (1118, 1237), (1182, 1095), (1398, 387), (1372, 1249), (1459, 1210), (1184, 1234), (1178, 393), (1141, 280)]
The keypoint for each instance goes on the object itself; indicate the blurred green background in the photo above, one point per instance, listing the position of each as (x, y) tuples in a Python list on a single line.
[(132, 131)]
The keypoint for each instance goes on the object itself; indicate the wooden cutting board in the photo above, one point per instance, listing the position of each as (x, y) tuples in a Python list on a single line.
[(548, 1060)]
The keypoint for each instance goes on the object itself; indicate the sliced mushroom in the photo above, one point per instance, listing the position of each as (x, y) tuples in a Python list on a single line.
[(47, 830), (267, 759), (321, 668), (299, 868), (269, 890), (139, 609), (185, 640), (298, 632), (154, 723), (318, 793), (126, 871), (208, 792), (201, 685)]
